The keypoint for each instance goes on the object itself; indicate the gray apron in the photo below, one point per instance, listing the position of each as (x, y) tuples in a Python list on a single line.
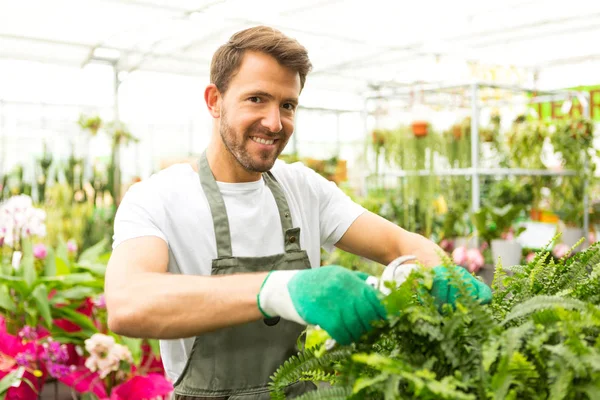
[(237, 362)]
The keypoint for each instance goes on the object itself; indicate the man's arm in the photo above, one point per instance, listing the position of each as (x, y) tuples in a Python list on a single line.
[(145, 301), (377, 239)]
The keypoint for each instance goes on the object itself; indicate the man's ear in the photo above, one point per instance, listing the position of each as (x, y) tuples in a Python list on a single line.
[(213, 100)]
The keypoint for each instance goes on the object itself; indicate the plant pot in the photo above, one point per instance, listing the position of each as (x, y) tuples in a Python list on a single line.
[(420, 128), (571, 235), (457, 131), (509, 252)]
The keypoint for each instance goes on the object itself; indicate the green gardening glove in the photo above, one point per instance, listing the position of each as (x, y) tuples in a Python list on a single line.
[(333, 297), (445, 293)]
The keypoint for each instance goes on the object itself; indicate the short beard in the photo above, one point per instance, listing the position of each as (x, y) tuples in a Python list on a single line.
[(237, 149)]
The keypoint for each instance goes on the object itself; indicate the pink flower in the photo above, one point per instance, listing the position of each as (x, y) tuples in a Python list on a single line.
[(484, 246), (474, 260), (591, 237), (560, 250), (143, 387), (459, 255), (72, 246), (530, 257), (100, 301), (447, 244), (509, 235), (28, 333), (39, 251)]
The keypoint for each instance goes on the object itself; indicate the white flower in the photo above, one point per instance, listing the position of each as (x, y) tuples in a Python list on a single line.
[(16, 259), (19, 219)]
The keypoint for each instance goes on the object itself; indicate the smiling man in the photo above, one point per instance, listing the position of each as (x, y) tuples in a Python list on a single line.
[(222, 262)]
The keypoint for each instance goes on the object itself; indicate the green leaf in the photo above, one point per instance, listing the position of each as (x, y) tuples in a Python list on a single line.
[(92, 254), (540, 303), (89, 396), (6, 301), (63, 253), (40, 295), (366, 381), (155, 346), (76, 293), (6, 382), (62, 267), (95, 268), (27, 269), (77, 318), (50, 263), (134, 345), (71, 279), (15, 282)]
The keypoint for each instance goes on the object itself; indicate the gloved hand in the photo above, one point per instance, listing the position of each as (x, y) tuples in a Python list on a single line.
[(445, 293), (442, 290), (333, 297)]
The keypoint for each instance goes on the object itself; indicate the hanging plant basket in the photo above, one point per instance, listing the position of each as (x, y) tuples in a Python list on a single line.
[(378, 138), (420, 128), (457, 131)]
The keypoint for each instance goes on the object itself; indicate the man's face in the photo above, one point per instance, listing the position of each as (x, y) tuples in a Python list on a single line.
[(257, 111)]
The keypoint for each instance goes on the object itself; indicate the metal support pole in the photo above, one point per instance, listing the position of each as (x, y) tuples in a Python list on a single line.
[(475, 191), (365, 187), (338, 131), (586, 210), (117, 150), (3, 143)]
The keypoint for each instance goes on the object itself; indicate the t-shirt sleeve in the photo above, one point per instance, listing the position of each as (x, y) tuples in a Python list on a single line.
[(337, 211), (141, 213)]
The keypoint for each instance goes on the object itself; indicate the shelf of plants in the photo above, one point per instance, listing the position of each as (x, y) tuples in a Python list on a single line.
[(446, 185)]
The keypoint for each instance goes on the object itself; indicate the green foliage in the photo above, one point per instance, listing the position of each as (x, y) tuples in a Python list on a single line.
[(31, 297), (573, 141), (538, 339), (492, 222)]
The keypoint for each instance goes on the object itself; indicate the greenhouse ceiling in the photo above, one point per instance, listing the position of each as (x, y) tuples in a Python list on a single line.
[(354, 45)]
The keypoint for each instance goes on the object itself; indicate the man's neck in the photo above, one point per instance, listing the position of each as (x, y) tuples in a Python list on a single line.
[(225, 167)]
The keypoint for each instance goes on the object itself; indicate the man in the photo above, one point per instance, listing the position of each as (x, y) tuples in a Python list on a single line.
[(226, 256)]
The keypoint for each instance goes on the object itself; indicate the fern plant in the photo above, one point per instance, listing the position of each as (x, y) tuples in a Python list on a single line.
[(538, 339)]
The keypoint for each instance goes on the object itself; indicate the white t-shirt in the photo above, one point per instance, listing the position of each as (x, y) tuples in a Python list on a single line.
[(172, 205)]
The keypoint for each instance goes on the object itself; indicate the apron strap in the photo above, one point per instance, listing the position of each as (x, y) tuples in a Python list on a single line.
[(217, 207), (291, 236)]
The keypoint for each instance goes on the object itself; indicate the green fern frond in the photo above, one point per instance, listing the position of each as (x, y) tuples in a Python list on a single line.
[(566, 355), (335, 393), (304, 362), (516, 269), (319, 376), (540, 303)]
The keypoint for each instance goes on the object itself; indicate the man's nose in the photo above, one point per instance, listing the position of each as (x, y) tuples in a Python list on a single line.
[(272, 120)]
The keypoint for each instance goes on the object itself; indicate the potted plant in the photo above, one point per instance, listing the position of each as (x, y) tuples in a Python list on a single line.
[(495, 226), (90, 123), (420, 128)]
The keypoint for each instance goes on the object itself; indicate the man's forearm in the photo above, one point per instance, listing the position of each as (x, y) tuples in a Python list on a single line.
[(427, 252), (167, 306)]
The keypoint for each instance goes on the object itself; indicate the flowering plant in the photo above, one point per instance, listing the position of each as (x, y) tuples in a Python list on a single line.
[(26, 359), (472, 259), (20, 220), (110, 372)]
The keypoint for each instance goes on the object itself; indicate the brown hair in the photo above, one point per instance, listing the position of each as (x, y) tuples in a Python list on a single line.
[(287, 51)]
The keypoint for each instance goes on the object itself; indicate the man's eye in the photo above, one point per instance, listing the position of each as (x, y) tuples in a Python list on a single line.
[(289, 106), (254, 99)]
